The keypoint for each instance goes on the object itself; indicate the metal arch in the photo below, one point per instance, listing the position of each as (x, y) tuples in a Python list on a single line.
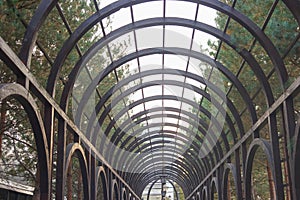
[(224, 8), (18, 92), (171, 116), (167, 131), (150, 188), (152, 184), (101, 175), (174, 167), (230, 168), (189, 75), (129, 196), (36, 22), (230, 105), (170, 179), (141, 141), (176, 83), (175, 190), (144, 85), (173, 125), (285, 98), (149, 164), (115, 190), (205, 193), (214, 184), (155, 175), (267, 148), (198, 196), (169, 170), (206, 164), (124, 194), (167, 50), (142, 186), (168, 135), (294, 7), (164, 97), (265, 90), (194, 124), (73, 148), (193, 154), (177, 166), (192, 145), (246, 55), (16, 65), (199, 163), (177, 126)]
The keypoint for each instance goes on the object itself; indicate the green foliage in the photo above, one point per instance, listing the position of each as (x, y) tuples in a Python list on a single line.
[(261, 180), (281, 28), (18, 161)]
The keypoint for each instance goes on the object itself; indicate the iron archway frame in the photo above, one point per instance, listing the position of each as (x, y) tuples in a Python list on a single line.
[(46, 7)]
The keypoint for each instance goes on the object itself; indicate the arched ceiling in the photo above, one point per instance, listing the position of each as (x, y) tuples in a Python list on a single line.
[(152, 95)]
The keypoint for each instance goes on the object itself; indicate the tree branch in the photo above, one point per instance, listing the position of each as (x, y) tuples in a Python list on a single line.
[(21, 141), (18, 159)]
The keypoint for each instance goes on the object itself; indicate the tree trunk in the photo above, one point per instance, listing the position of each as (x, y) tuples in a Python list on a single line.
[(271, 182), (286, 177), (229, 189), (69, 180), (79, 186), (2, 123)]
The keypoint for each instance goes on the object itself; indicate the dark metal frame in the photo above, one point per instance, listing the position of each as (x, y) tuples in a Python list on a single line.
[(196, 176)]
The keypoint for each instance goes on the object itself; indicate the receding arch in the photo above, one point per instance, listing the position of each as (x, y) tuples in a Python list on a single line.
[(91, 21), (76, 148), (204, 193), (18, 92), (198, 196), (214, 189), (266, 147), (102, 184), (231, 156), (124, 194), (230, 168), (115, 192)]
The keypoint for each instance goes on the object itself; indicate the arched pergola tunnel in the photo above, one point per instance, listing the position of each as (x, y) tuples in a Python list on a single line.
[(154, 97)]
